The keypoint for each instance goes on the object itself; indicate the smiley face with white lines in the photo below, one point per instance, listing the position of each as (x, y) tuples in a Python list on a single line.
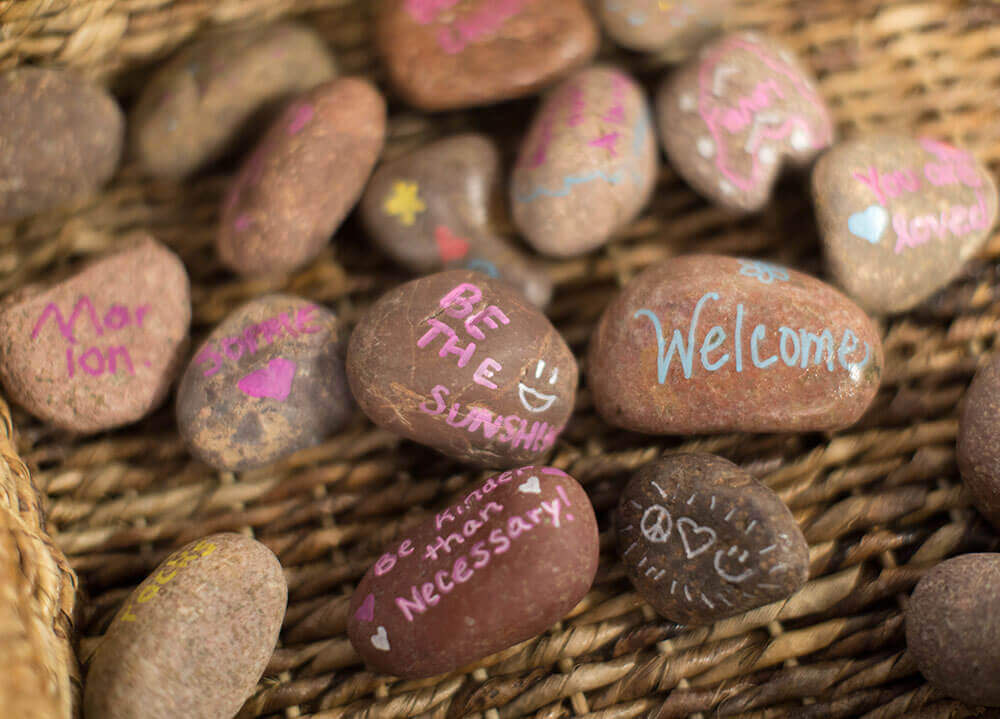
[(534, 400)]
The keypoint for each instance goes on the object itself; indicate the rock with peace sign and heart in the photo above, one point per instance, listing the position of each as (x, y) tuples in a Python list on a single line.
[(702, 540)]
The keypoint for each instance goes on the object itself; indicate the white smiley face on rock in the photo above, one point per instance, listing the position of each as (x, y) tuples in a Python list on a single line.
[(533, 400)]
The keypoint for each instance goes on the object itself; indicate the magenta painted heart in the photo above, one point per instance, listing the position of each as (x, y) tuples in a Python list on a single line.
[(272, 382)]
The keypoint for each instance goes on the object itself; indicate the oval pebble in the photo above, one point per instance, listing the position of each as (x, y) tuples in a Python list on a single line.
[(202, 102), (269, 380), (979, 440), (431, 209), (900, 216), (702, 540), (500, 565), (705, 343), (62, 138), (302, 179), (465, 364), (658, 26), (951, 631), (194, 638), (100, 348), (588, 164)]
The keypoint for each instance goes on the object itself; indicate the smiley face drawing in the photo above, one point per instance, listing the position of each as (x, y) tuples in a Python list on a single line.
[(533, 400)]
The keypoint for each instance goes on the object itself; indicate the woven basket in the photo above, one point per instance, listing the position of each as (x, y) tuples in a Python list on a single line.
[(879, 503)]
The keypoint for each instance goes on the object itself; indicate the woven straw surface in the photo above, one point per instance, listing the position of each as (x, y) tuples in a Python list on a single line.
[(879, 503)]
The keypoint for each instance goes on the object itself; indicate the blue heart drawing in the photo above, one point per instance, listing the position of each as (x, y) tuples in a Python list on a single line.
[(870, 224)]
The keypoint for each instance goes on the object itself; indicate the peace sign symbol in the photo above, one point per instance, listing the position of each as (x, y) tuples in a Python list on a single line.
[(656, 524)]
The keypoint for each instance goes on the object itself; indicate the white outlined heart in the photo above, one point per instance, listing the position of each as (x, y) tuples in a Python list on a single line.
[(530, 486), (695, 532), (380, 640)]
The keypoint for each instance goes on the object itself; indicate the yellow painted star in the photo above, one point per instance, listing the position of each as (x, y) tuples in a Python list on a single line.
[(404, 202)]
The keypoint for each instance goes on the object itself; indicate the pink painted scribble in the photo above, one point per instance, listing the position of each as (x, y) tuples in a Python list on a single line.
[(426, 11), (271, 382), (242, 222), (300, 118), (609, 142), (477, 24)]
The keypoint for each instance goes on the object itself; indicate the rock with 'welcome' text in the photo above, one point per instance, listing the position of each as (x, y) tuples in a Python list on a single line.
[(705, 343)]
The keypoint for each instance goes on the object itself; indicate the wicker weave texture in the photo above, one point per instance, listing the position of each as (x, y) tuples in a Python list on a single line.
[(879, 503)]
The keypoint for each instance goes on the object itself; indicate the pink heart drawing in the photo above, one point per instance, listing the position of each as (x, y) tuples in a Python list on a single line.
[(366, 612), (272, 382)]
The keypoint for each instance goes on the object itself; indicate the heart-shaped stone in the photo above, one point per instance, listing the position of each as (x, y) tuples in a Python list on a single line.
[(271, 382), (529, 486), (366, 612), (899, 216), (380, 640), (731, 115), (695, 539)]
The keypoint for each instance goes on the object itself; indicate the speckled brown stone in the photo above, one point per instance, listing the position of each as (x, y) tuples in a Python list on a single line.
[(702, 540), (953, 630), (735, 113), (61, 138), (433, 208), (979, 440), (465, 364), (302, 179), (659, 25), (268, 381), (588, 164), (194, 638), (899, 216), (705, 343), (501, 564), (99, 349), (447, 54), (198, 105)]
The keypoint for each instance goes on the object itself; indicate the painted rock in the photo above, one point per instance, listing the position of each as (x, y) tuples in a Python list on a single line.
[(704, 343), (268, 381), (303, 178), (493, 569), (951, 630), (431, 209), (194, 638), (979, 440), (900, 216), (62, 138), (99, 349), (446, 54), (588, 164), (465, 364), (655, 25), (737, 111), (702, 540), (207, 98)]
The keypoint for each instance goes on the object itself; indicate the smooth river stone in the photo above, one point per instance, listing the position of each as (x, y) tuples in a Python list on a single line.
[(951, 628), (193, 639), (268, 381), (588, 164), (62, 138), (465, 364), (702, 540), (899, 216), (979, 440), (734, 114), (99, 349), (431, 209), (447, 54), (704, 343), (302, 179), (658, 25), (500, 565)]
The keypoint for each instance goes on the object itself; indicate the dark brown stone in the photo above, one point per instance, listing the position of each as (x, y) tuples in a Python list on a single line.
[(952, 630), (198, 105), (432, 209), (302, 179), (588, 164), (899, 216), (702, 540), (979, 440), (465, 364), (62, 138), (194, 638), (735, 113), (446, 54), (657, 26), (497, 567), (268, 381), (101, 348), (705, 343)]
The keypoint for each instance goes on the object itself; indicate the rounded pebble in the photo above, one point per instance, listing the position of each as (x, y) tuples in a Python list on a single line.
[(979, 440)]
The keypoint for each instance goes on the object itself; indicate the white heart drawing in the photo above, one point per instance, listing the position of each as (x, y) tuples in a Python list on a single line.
[(695, 532), (380, 640), (530, 486)]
